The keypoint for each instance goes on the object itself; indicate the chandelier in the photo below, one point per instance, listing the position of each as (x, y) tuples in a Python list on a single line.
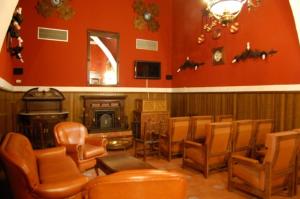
[(223, 13)]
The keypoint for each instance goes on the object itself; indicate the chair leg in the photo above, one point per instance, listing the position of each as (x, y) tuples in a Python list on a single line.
[(230, 174), (96, 170)]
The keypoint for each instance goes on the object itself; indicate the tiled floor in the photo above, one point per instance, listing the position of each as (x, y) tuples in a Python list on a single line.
[(215, 186)]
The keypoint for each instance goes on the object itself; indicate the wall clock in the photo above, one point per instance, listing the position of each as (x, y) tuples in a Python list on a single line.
[(218, 56)]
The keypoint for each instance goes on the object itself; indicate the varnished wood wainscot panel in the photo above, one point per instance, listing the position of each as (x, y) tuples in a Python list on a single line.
[(282, 107)]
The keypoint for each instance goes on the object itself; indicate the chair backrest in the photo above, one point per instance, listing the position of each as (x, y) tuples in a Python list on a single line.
[(136, 184), (262, 128), (70, 133), (198, 126), (243, 135), (219, 137), (223, 118), (282, 150), (151, 128), (179, 128), (20, 164)]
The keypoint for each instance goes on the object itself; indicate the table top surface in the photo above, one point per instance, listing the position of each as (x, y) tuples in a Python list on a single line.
[(121, 162)]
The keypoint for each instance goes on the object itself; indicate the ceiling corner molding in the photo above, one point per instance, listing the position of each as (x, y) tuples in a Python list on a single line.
[(295, 6)]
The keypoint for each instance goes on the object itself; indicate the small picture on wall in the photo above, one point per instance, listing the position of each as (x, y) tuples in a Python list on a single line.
[(218, 56)]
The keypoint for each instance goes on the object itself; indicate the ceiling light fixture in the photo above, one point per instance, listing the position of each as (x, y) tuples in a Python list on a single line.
[(223, 13)]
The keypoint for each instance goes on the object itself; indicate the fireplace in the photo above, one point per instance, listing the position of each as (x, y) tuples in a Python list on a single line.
[(105, 119), (104, 113)]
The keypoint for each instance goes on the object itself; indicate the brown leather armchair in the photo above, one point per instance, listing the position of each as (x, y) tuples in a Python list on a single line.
[(214, 153), (44, 174), (275, 174), (243, 137), (80, 146), (198, 127), (137, 184), (172, 143)]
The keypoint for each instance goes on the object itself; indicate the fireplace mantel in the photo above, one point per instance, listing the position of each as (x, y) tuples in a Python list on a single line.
[(104, 113)]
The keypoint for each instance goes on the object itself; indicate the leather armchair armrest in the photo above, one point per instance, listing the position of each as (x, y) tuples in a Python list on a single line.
[(75, 151), (192, 144), (97, 141), (63, 189), (246, 161), (55, 151)]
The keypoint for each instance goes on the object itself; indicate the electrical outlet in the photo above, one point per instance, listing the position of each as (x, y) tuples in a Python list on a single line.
[(18, 81)]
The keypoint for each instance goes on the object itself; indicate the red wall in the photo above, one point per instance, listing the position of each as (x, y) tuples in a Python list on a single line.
[(5, 64), (65, 64), (269, 26)]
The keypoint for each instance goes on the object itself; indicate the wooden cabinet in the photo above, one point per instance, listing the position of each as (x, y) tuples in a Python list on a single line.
[(154, 111), (42, 111)]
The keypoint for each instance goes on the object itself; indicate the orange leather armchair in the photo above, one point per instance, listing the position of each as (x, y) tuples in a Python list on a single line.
[(198, 124), (243, 137), (275, 174), (172, 143), (44, 174), (213, 154), (80, 146), (137, 184)]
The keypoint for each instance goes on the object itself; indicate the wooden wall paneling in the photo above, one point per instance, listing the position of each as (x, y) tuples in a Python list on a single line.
[(178, 104), (296, 111), (279, 109), (289, 111)]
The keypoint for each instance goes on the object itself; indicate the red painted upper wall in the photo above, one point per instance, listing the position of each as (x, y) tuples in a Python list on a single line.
[(49, 63), (6, 64), (269, 26)]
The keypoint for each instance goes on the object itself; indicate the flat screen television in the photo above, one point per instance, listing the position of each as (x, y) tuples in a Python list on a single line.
[(146, 70)]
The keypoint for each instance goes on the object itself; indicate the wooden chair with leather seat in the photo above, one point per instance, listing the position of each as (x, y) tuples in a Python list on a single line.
[(84, 149), (214, 153), (45, 174), (243, 137), (262, 128), (198, 127), (224, 118), (275, 174), (172, 143), (137, 184), (148, 144)]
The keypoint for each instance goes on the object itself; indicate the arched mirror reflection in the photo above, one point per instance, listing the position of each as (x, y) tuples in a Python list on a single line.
[(103, 52)]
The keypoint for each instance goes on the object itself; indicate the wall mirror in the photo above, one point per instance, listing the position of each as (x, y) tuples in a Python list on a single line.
[(103, 52)]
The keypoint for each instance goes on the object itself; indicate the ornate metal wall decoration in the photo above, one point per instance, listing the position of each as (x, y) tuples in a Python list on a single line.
[(189, 64), (249, 53), (14, 33), (61, 7), (146, 15)]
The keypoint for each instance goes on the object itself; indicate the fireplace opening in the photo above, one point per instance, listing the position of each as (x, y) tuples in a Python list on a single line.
[(105, 120)]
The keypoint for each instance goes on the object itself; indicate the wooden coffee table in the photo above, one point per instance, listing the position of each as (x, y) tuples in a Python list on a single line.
[(121, 162)]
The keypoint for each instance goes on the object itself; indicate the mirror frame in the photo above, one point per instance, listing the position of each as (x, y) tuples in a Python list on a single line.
[(100, 33)]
